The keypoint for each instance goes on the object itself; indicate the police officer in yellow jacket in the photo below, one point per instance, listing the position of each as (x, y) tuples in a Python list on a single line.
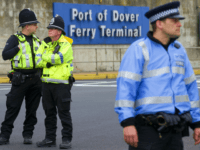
[(55, 56), (20, 49)]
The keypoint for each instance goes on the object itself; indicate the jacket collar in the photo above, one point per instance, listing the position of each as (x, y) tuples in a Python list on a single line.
[(150, 36)]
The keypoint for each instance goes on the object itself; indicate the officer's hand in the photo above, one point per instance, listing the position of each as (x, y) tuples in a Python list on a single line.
[(131, 136), (196, 135), (73, 79), (47, 40), (49, 65)]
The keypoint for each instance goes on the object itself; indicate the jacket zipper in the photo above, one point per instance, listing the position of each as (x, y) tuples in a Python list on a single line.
[(171, 77)]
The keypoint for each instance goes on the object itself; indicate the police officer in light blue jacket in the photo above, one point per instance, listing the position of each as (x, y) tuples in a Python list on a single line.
[(157, 95)]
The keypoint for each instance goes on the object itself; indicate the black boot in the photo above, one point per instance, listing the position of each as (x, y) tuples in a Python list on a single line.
[(65, 145), (46, 143), (27, 140), (3, 141)]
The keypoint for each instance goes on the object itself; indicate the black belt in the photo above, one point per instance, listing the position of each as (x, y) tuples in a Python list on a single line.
[(28, 75), (45, 75), (151, 120), (26, 71), (143, 120), (158, 121)]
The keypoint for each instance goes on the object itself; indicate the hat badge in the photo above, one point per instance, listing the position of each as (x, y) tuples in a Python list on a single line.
[(52, 21)]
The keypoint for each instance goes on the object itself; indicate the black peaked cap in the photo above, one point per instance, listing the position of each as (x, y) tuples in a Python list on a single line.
[(169, 10)]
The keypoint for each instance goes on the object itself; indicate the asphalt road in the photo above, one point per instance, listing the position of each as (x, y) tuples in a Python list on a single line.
[(95, 123)]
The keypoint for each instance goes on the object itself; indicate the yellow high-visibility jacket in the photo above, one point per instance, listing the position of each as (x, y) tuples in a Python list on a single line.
[(23, 59), (62, 60)]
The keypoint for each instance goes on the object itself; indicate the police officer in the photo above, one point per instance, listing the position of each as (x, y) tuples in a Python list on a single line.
[(157, 96), (20, 49), (55, 56)]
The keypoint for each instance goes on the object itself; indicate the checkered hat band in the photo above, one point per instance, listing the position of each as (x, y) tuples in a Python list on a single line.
[(163, 14)]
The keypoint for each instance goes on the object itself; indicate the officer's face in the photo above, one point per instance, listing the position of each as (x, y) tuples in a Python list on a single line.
[(171, 27), (54, 33), (32, 28)]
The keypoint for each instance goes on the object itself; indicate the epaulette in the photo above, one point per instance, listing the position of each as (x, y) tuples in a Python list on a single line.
[(177, 45)]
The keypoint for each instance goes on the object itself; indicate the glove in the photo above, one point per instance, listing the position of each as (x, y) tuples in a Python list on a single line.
[(10, 75), (171, 119), (186, 117), (49, 65), (71, 79), (47, 40)]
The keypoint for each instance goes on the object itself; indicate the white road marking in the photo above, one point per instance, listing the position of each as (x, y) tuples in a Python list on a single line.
[(85, 81), (100, 82), (4, 89), (75, 82), (79, 85), (95, 85), (87, 84)]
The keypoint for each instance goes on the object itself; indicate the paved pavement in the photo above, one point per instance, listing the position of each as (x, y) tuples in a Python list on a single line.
[(95, 123)]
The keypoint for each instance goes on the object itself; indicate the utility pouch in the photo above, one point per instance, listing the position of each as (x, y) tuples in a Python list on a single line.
[(17, 78), (185, 131), (186, 119)]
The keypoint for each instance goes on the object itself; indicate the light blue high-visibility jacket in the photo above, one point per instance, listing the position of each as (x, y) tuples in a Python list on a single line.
[(151, 80)]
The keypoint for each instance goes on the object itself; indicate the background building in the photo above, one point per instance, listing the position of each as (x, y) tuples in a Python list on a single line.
[(91, 58)]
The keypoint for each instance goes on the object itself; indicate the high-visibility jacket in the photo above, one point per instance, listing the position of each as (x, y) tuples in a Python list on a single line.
[(151, 80), (23, 59), (62, 60)]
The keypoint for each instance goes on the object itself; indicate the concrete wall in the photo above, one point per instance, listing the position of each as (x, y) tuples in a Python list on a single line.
[(89, 58)]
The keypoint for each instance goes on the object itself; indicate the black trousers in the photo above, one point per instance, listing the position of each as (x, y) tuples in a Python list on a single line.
[(57, 97), (149, 139), (31, 90)]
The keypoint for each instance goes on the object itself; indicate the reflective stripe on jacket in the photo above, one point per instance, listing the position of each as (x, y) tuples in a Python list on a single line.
[(23, 59), (61, 61), (152, 80)]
